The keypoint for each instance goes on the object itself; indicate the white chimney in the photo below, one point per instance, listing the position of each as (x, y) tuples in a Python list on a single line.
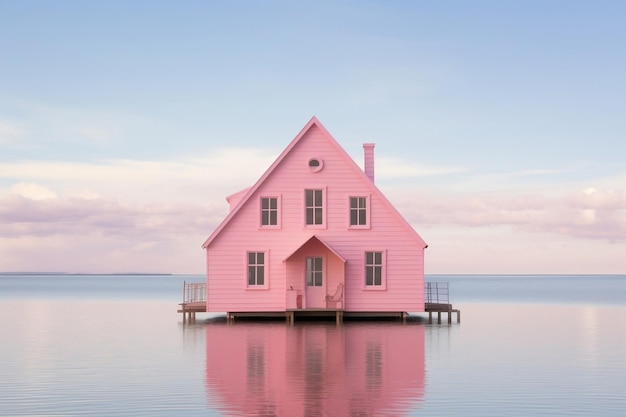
[(368, 150)]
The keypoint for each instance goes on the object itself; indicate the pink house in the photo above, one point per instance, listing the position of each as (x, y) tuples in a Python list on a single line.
[(314, 235)]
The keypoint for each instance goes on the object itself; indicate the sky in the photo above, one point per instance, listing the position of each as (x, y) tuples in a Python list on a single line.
[(500, 127)]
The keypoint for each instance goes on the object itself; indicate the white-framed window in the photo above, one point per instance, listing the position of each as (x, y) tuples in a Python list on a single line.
[(256, 276), (359, 209), (375, 270), (269, 208), (314, 210)]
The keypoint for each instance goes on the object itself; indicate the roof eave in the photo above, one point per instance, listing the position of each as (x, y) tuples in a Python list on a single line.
[(251, 190)]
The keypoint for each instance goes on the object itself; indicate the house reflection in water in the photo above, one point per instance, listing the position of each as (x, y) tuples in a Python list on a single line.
[(359, 369)]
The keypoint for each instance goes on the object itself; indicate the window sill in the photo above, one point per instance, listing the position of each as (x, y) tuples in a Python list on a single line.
[(315, 226), (272, 227), (359, 227), (375, 288)]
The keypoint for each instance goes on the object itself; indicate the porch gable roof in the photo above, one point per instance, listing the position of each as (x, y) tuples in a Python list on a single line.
[(311, 239)]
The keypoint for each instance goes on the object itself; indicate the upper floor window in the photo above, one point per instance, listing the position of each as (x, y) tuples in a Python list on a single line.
[(358, 211), (314, 207), (374, 269), (256, 269), (269, 211)]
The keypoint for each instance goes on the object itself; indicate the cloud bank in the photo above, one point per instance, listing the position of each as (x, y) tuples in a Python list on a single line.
[(138, 216), (587, 214)]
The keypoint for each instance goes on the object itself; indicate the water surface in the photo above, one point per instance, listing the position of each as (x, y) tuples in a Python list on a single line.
[(114, 345)]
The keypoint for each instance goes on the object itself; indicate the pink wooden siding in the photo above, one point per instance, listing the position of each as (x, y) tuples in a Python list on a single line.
[(341, 179), (320, 370)]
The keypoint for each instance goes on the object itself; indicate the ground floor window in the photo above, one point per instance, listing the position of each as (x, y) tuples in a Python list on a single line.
[(256, 269), (374, 269)]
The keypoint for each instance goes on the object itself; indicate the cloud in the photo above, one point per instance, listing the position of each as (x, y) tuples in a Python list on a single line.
[(130, 215), (183, 179), (32, 191), (98, 234), (103, 254), (587, 214), (32, 209), (21, 217), (593, 198)]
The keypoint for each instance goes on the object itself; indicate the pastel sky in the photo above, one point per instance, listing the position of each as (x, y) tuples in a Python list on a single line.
[(500, 126)]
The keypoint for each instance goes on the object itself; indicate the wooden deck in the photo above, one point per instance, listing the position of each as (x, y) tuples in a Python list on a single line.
[(439, 308), (194, 301), (190, 309), (437, 295)]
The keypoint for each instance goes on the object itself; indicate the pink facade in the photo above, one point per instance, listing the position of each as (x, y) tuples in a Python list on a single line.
[(314, 232), (321, 370)]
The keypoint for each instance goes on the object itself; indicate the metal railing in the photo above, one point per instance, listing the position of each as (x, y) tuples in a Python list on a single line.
[(194, 292), (437, 293)]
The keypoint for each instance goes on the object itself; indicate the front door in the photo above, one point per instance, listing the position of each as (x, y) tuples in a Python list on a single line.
[(315, 290)]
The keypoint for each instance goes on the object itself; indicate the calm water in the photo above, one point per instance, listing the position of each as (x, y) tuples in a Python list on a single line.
[(115, 346)]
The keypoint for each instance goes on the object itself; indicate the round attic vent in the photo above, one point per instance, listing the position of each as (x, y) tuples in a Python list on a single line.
[(315, 164)]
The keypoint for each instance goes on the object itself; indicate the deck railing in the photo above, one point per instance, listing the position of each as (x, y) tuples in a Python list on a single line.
[(437, 293), (194, 292)]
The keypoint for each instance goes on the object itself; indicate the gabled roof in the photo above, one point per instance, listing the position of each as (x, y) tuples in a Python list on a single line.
[(311, 239), (341, 152)]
